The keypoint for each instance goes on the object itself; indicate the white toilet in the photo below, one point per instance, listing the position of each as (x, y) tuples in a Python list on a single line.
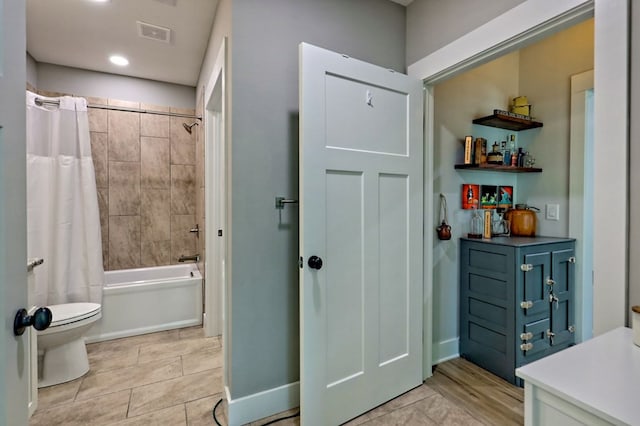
[(62, 353)]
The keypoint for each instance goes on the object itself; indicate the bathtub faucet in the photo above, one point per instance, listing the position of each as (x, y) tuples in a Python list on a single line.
[(183, 258)]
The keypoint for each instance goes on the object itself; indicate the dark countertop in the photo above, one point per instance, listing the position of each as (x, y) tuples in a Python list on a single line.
[(520, 241)]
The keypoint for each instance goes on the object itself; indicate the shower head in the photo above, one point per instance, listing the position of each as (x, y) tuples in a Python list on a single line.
[(188, 127)]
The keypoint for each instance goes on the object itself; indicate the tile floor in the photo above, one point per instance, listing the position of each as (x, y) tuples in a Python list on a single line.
[(175, 378)]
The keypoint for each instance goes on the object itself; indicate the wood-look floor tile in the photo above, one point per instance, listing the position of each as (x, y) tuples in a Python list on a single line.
[(156, 396), (291, 421), (131, 377), (403, 400), (200, 411), (102, 410), (172, 416), (110, 357), (179, 347), (206, 359), (63, 393), (196, 332)]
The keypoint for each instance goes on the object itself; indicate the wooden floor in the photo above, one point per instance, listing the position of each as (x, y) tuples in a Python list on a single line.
[(458, 394), (486, 397)]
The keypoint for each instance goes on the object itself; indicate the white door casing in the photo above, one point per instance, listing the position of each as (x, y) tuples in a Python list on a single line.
[(361, 200), (14, 351)]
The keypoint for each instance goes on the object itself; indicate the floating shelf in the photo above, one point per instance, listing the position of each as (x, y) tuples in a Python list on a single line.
[(506, 120), (497, 168)]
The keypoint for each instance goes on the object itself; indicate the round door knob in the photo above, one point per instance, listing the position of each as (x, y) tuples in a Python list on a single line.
[(40, 320), (315, 262)]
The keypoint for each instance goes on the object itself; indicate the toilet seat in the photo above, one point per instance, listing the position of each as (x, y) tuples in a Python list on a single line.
[(68, 314)]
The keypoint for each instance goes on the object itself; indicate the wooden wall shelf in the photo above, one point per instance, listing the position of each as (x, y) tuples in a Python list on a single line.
[(497, 168), (503, 120)]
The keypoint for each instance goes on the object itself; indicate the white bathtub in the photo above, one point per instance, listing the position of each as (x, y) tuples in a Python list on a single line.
[(145, 300)]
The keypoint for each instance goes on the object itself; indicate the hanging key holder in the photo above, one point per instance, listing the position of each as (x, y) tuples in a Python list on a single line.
[(444, 229)]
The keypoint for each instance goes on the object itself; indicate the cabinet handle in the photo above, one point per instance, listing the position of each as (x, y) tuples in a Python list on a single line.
[(526, 336), (551, 335), (526, 267), (526, 347), (550, 281), (526, 304)]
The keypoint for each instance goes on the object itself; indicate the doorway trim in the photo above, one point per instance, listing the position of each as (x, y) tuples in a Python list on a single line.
[(215, 195), (523, 24)]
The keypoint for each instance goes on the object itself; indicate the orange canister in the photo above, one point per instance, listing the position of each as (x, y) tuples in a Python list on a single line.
[(522, 220)]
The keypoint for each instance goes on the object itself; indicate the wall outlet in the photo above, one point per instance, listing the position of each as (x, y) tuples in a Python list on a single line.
[(553, 212)]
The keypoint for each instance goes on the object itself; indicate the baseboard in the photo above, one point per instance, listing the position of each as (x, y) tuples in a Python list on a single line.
[(101, 337), (262, 404), (446, 350)]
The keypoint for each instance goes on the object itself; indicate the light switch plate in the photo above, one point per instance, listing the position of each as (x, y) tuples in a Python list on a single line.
[(553, 212)]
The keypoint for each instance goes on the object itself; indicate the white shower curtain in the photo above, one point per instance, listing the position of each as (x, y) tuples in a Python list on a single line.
[(63, 221)]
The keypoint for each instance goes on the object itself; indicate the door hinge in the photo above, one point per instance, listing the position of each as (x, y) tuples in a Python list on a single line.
[(300, 262), (526, 304), (526, 336), (572, 329), (526, 347), (526, 267), (572, 259)]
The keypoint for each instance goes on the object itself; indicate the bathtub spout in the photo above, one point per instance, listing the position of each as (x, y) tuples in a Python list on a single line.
[(183, 258)]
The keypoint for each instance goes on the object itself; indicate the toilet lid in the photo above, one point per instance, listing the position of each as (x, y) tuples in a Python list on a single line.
[(72, 312)]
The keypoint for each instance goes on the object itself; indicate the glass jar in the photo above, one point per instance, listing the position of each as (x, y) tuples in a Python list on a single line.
[(476, 226)]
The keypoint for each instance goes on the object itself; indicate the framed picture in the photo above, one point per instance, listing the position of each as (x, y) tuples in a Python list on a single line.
[(488, 196), (505, 197), (470, 196)]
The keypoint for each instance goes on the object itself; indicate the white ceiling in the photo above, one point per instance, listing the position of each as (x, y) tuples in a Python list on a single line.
[(84, 33)]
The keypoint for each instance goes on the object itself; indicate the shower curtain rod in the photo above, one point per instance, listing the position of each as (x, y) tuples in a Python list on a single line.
[(40, 101)]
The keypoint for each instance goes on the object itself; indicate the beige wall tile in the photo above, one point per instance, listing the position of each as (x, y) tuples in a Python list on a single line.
[(124, 136), (155, 253), (183, 189), (183, 148), (103, 206), (124, 188), (155, 162), (123, 104), (186, 111), (97, 120), (153, 124), (93, 100), (100, 158), (155, 215), (183, 242), (124, 242)]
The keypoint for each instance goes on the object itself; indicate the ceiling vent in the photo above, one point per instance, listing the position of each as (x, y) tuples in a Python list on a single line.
[(168, 2), (154, 32)]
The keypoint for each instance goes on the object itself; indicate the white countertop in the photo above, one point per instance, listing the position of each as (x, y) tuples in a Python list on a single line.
[(601, 375)]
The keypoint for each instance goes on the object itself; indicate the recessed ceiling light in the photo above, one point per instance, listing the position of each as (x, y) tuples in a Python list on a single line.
[(101, 1), (119, 60)]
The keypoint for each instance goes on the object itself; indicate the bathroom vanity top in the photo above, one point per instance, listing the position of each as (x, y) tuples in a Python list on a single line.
[(600, 376)]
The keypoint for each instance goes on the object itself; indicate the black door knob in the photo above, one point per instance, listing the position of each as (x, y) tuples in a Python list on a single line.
[(40, 320), (315, 262)]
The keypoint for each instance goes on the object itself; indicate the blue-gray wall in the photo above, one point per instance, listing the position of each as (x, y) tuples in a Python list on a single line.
[(264, 312), (432, 24)]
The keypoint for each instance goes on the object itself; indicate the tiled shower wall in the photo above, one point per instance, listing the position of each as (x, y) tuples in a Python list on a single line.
[(200, 212), (146, 177)]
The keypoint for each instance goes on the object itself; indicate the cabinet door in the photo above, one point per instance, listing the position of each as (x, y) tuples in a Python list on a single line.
[(563, 289), (539, 340), (534, 284)]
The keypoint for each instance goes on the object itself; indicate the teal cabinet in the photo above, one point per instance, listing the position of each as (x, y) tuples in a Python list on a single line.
[(516, 301)]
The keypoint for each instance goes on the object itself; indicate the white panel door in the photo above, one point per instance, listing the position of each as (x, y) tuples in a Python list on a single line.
[(361, 194), (14, 351)]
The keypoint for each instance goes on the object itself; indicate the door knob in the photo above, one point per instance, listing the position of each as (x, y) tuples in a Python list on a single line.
[(315, 262), (40, 320)]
